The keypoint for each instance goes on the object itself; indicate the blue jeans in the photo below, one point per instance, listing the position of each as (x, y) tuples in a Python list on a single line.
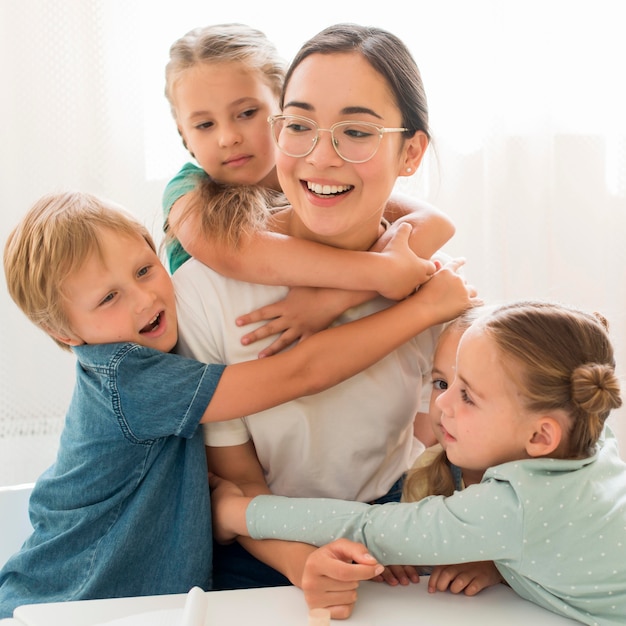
[(235, 568)]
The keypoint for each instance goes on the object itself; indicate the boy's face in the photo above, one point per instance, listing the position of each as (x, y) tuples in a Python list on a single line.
[(124, 295)]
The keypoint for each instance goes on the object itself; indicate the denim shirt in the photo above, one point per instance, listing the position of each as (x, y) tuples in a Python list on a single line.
[(125, 509)]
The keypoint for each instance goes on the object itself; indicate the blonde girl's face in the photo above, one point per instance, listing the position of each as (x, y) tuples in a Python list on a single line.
[(444, 367), (483, 421), (123, 294), (221, 111), (331, 88)]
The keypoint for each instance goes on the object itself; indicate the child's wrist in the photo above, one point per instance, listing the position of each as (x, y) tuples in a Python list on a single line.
[(240, 511)]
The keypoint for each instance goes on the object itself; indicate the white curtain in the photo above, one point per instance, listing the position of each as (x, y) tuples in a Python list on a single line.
[(527, 107)]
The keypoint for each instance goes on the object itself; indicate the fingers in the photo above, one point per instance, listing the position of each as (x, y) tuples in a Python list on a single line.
[(401, 232), (261, 314), (454, 264), (282, 342), (342, 561), (332, 574), (277, 326), (439, 579), (400, 575), (431, 267), (467, 578), (273, 327)]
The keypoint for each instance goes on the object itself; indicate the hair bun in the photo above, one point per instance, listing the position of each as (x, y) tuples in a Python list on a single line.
[(595, 388)]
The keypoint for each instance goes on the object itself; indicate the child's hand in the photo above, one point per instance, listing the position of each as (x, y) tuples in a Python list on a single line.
[(228, 509), (447, 294), (406, 271), (398, 575), (305, 311), (332, 574), (469, 578)]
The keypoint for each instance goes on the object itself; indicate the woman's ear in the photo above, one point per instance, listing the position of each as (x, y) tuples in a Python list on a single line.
[(414, 151), (545, 437)]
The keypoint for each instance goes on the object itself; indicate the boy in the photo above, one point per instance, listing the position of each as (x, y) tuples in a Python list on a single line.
[(125, 509)]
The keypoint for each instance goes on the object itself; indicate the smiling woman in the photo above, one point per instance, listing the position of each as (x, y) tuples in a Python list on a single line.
[(338, 82)]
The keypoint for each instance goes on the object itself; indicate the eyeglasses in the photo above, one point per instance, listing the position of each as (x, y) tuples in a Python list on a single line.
[(355, 142)]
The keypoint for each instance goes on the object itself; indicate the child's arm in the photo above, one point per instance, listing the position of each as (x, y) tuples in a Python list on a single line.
[(272, 258), (431, 227), (328, 576), (306, 311), (338, 353)]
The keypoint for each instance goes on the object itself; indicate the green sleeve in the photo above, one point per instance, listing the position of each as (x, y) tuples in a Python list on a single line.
[(434, 530), (184, 182)]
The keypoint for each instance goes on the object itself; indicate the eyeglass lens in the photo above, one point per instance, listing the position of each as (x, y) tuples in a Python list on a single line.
[(353, 141)]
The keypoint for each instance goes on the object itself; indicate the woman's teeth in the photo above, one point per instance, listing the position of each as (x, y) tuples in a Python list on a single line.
[(327, 190)]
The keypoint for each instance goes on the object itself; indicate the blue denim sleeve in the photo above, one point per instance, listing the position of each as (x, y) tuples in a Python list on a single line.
[(157, 394)]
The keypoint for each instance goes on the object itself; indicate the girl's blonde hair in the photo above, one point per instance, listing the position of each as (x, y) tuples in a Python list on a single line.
[(52, 241), (226, 210), (222, 43)]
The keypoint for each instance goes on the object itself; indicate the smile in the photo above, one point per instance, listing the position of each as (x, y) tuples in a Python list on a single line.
[(328, 190), (152, 324)]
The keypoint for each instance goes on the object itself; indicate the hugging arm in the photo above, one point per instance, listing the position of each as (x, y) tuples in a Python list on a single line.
[(272, 258), (328, 576), (307, 310)]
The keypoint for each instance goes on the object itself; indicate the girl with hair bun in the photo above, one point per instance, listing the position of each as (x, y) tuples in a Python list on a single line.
[(534, 386)]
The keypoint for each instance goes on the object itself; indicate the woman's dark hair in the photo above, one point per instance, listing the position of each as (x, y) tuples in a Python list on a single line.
[(387, 54)]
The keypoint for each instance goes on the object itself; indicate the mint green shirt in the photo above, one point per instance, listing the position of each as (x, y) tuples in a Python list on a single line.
[(184, 182), (556, 530)]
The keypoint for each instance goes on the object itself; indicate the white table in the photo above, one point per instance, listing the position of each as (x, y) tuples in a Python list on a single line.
[(378, 605)]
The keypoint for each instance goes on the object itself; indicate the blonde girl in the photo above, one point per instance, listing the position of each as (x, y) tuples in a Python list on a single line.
[(433, 474)]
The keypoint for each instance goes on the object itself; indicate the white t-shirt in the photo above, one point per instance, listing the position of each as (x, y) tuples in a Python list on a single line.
[(352, 441)]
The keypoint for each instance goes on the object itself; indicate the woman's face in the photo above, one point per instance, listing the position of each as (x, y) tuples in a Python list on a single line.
[(331, 88)]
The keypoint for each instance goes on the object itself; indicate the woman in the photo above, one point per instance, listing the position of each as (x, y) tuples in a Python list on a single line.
[(354, 119)]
